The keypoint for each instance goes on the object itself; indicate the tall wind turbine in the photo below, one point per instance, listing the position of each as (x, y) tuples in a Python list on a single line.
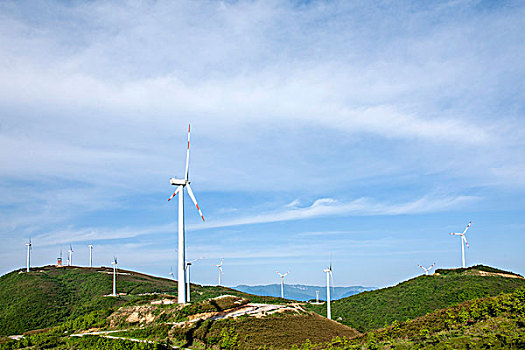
[(114, 263), (329, 277), (171, 273), (181, 184), (70, 251), (429, 268), (219, 266), (188, 265), (90, 255), (463, 240), (282, 281), (28, 264)]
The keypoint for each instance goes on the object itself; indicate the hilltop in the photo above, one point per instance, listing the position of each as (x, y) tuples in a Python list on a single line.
[(420, 295), (78, 315), (300, 291), (48, 296), (69, 304)]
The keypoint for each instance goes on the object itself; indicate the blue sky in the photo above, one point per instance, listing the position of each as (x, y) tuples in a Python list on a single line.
[(366, 132)]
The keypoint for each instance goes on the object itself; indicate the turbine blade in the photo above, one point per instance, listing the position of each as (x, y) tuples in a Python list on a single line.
[(174, 193), (190, 192), (465, 240), (455, 234), (470, 222), (187, 156)]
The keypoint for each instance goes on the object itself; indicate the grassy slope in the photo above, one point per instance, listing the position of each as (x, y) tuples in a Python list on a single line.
[(277, 331), (281, 331), (494, 322), (47, 296), (417, 297)]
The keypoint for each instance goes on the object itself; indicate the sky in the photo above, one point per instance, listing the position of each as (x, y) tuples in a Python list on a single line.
[(356, 132)]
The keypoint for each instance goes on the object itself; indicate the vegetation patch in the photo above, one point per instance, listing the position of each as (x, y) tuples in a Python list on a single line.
[(416, 297), (496, 322)]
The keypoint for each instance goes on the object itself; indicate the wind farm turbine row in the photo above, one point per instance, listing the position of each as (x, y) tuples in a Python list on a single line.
[(184, 267), (463, 244)]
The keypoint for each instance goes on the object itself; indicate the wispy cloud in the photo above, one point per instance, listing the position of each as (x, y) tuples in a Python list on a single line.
[(360, 207), (322, 207)]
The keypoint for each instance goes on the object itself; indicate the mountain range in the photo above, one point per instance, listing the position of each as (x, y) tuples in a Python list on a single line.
[(302, 292)]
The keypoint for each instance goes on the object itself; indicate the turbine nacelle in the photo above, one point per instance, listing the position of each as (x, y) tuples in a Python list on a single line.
[(179, 182)]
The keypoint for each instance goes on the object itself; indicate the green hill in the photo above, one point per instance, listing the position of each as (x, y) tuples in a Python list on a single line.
[(48, 296), (157, 322), (482, 323), (419, 296)]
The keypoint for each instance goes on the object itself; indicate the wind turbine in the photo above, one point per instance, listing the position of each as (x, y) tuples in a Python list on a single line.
[(463, 240), (91, 255), (429, 268), (181, 184), (171, 273), (282, 281), (317, 297), (114, 263), (329, 277), (188, 265), (219, 266), (28, 264), (70, 251)]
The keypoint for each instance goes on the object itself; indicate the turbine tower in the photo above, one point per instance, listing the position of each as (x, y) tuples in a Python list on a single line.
[(171, 273), (91, 255), (181, 184), (463, 240), (28, 264), (328, 278), (188, 265), (429, 268), (282, 281), (114, 263), (70, 251), (219, 266), (317, 297)]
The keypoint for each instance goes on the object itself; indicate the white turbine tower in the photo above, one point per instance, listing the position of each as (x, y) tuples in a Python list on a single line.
[(188, 265), (171, 273), (282, 281), (90, 255), (70, 251), (329, 277), (463, 240), (28, 264), (181, 184), (429, 268), (317, 297), (114, 263), (219, 266)]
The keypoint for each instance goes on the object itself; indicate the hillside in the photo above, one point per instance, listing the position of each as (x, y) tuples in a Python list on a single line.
[(482, 323), (419, 296), (48, 296), (300, 291), (157, 322)]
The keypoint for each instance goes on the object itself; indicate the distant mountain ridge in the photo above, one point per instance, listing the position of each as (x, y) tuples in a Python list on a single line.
[(302, 292)]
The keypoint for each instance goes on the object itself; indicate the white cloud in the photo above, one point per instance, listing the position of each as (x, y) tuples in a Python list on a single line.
[(322, 207), (360, 207)]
